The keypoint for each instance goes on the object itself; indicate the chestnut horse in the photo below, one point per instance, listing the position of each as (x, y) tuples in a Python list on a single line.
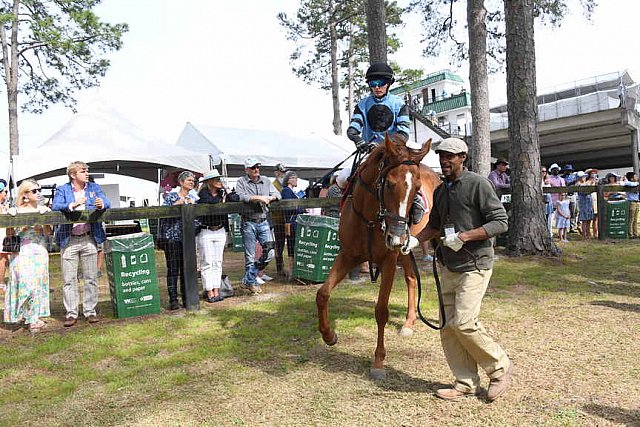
[(375, 226)]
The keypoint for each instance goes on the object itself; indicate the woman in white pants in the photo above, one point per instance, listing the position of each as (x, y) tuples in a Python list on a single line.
[(212, 237)]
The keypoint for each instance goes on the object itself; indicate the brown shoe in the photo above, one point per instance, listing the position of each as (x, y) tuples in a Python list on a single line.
[(92, 318), (453, 394), (498, 386), (70, 321)]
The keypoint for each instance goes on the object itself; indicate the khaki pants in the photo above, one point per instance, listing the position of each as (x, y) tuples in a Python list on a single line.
[(465, 342), (633, 219)]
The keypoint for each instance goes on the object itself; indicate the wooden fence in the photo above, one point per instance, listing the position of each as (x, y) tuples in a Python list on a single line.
[(188, 213)]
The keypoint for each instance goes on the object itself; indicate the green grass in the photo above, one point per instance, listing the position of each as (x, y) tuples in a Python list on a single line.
[(261, 362)]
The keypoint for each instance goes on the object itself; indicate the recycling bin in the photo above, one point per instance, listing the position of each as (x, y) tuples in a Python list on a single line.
[(617, 225), (316, 247), (133, 278)]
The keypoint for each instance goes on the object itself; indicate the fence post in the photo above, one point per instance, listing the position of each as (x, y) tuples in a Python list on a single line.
[(187, 214), (602, 212)]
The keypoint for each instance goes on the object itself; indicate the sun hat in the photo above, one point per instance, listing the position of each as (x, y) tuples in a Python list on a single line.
[(554, 166), (452, 145), (251, 162), (503, 161), (210, 175), (580, 174)]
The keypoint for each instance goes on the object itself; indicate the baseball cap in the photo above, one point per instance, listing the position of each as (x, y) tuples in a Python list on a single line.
[(503, 161), (568, 167), (251, 162), (452, 145), (280, 167)]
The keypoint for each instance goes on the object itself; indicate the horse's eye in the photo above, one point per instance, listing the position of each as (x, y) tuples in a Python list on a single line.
[(390, 185)]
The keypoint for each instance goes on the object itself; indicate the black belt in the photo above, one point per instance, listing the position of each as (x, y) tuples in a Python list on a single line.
[(212, 227)]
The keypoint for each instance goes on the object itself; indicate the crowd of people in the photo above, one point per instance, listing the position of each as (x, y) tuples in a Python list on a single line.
[(575, 212)]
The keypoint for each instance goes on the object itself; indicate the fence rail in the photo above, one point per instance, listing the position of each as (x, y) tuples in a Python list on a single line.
[(188, 213)]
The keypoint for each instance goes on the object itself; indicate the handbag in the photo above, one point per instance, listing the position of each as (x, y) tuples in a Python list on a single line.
[(11, 244)]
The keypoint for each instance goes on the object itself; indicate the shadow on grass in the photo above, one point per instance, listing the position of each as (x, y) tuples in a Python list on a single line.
[(635, 308), (628, 417)]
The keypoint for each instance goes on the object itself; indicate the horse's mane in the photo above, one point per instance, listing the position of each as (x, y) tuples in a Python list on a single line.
[(379, 152)]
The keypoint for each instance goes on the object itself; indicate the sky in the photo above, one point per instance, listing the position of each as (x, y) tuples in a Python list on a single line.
[(226, 63)]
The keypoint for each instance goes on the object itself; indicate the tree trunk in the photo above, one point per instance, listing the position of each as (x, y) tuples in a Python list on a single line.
[(528, 232), (376, 31), (480, 149), (350, 73), (10, 65), (335, 84)]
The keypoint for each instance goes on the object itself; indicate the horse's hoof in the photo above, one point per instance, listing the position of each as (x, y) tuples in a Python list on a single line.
[(332, 341), (377, 373), (405, 332)]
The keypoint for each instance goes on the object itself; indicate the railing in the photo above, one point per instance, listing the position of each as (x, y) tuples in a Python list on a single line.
[(187, 213)]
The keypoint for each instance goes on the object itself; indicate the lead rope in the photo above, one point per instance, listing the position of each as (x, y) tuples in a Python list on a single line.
[(443, 320)]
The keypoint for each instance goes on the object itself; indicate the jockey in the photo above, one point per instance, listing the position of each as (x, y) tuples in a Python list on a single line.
[(381, 112)]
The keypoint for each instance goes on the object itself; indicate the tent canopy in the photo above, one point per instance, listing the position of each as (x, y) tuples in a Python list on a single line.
[(310, 155), (109, 143)]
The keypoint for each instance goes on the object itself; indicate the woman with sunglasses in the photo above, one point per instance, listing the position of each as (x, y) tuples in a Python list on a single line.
[(27, 296)]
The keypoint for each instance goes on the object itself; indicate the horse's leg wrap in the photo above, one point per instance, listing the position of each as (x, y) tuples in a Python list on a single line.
[(268, 252)]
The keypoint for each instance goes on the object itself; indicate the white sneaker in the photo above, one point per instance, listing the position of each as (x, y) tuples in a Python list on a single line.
[(259, 281), (266, 278)]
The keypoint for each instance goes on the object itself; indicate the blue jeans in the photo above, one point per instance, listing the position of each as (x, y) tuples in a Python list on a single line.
[(260, 232)]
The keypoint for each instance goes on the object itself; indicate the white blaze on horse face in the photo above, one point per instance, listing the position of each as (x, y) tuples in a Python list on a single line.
[(402, 210)]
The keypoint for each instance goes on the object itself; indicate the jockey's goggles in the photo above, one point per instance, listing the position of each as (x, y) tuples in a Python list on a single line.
[(378, 83)]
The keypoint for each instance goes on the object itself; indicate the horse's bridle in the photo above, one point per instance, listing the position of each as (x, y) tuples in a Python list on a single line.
[(400, 224)]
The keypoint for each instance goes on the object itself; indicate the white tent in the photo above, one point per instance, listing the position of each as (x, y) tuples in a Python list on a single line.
[(310, 155), (109, 143)]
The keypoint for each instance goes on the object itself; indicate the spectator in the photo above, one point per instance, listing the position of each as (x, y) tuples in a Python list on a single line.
[(258, 191), (612, 179), (27, 297), (499, 177), (466, 259), (277, 218), (289, 182), (548, 208), (592, 179), (170, 232), (563, 217), (4, 256), (554, 181), (212, 236), (585, 207), (570, 179), (79, 242), (632, 198)]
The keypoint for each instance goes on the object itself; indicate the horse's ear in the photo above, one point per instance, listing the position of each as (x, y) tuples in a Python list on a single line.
[(418, 155), (390, 146)]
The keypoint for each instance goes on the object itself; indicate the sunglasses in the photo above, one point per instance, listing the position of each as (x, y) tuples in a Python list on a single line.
[(34, 191), (378, 83), (255, 167), (543, 171)]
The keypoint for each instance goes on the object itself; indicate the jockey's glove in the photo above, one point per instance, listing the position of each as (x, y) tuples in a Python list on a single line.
[(453, 242), (365, 147)]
